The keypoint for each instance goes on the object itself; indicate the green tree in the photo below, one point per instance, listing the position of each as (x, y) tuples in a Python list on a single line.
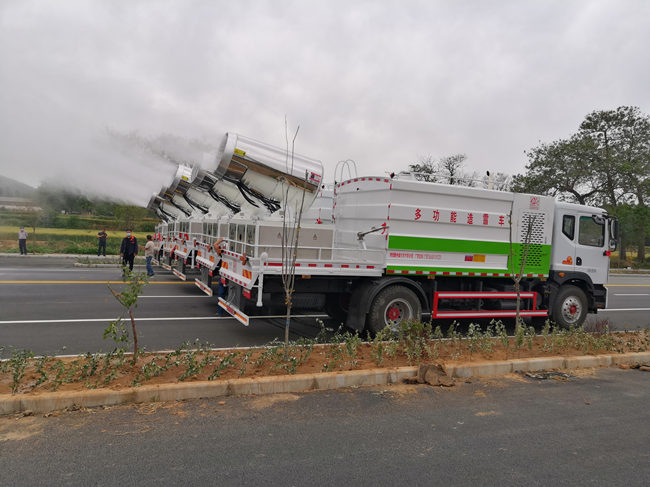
[(606, 163), (127, 215), (564, 168), (623, 139), (128, 298)]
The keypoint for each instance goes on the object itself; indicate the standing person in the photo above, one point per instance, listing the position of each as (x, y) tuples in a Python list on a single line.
[(101, 240), (148, 255), (129, 249), (22, 241)]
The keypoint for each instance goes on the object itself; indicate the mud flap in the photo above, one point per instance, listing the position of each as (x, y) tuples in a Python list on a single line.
[(234, 312), (203, 287), (359, 304)]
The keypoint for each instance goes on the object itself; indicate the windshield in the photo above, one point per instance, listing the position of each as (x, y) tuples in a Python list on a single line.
[(591, 233)]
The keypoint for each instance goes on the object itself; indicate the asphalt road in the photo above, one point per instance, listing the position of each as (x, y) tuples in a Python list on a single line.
[(628, 304), (48, 304), (591, 430), (45, 308)]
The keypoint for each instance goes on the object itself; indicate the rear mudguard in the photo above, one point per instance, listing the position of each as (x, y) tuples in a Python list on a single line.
[(365, 291)]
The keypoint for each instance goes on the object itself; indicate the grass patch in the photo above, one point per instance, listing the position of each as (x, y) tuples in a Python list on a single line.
[(9, 230), (63, 241), (631, 259)]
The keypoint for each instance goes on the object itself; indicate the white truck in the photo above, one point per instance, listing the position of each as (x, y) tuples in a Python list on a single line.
[(376, 250)]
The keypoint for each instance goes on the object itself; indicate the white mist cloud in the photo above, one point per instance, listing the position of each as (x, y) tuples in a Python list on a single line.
[(381, 82)]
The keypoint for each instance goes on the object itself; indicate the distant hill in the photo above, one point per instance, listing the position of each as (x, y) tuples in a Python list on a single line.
[(13, 188)]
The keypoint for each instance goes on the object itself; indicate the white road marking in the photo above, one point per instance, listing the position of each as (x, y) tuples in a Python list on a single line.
[(41, 270), (622, 309), (617, 294), (105, 320), (188, 296), (180, 318), (270, 317)]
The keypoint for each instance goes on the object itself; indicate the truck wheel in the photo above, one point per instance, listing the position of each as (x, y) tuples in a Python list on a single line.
[(392, 306), (570, 307)]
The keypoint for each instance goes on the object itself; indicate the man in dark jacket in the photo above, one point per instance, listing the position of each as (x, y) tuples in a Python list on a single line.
[(101, 242), (129, 249)]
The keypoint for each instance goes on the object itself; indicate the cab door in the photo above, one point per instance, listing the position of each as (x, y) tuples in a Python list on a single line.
[(591, 247), (563, 254)]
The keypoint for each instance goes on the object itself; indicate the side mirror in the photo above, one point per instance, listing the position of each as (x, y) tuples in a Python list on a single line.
[(613, 229), (613, 234), (598, 220)]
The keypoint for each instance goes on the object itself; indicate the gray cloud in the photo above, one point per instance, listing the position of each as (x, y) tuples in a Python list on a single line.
[(381, 82)]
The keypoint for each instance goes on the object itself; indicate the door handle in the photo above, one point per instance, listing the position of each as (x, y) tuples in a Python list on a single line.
[(578, 261)]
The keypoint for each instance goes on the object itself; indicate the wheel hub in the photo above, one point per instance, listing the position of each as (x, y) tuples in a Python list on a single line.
[(397, 311), (393, 313), (571, 309)]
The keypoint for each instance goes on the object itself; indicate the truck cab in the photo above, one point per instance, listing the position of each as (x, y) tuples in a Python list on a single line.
[(582, 241), (583, 238)]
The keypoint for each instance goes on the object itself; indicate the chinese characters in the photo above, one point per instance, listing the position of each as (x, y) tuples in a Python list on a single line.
[(460, 217)]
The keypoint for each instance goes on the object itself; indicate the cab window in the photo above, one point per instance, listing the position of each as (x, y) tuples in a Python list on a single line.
[(591, 233), (569, 226)]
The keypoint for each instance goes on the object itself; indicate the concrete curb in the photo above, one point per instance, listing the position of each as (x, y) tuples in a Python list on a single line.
[(52, 401), (629, 271), (114, 266), (50, 256)]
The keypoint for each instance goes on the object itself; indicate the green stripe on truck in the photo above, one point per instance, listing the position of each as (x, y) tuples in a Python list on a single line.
[(538, 261), (447, 245)]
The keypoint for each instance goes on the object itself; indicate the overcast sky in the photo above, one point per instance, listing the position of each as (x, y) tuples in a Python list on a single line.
[(380, 82)]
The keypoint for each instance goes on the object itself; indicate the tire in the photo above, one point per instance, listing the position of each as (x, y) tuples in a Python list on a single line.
[(570, 307), (391, 306)]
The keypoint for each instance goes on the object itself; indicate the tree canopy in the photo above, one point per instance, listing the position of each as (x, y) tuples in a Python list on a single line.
[(605, 163)]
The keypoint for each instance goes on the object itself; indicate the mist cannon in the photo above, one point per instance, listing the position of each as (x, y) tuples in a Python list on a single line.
[(246, 176), (163, 208), (255, 173), (188, 194)]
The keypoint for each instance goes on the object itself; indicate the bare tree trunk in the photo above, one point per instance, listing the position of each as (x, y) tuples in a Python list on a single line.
[(289, 289), (641, 253), (518, 309), (642, 229), (522, 264), (290, 239), (622, 253), (287, 322), (135, 337)]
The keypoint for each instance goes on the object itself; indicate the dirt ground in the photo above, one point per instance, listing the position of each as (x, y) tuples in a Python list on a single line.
[(115, 371)]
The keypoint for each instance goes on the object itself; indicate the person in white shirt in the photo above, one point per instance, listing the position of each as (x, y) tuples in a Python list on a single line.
[(22, 241), (148, 255)]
